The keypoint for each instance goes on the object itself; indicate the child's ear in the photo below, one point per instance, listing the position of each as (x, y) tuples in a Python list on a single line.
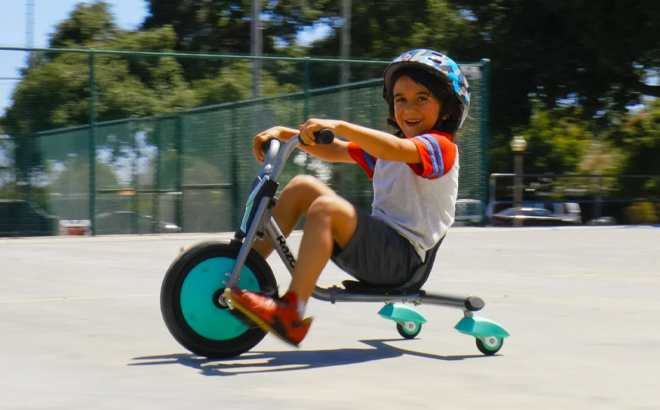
[(445, 117)]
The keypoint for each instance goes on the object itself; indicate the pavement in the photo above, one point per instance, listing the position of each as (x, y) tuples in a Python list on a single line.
[(81, 328)]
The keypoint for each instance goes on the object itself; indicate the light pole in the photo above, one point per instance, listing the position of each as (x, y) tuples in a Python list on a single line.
[(518, 145), (256, 47)]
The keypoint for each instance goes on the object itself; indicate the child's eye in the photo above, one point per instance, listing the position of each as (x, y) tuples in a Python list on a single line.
[(400, 99), (422, 98)]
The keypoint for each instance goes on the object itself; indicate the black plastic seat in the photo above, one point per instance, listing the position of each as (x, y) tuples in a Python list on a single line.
[(413, 285)]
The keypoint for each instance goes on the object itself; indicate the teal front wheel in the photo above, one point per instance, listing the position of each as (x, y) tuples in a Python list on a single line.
[(189, 299)]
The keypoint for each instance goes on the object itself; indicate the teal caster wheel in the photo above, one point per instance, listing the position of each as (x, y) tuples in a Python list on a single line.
[(409, 330), (489, 335), (408, 320), (489, 345)]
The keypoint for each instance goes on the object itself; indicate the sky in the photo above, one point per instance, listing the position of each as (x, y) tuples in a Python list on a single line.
[(129, 14)]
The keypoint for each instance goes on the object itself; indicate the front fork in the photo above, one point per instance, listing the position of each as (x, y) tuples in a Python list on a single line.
[(263, 212), (272, 230)]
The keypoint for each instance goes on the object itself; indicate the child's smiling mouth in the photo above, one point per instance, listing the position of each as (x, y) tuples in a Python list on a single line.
[(412, 123)]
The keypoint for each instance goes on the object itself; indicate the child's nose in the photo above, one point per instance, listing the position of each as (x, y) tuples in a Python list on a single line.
[(411, 106)]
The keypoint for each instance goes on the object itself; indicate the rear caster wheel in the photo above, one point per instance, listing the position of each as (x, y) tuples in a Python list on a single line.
[(489, 345), (409, 330)]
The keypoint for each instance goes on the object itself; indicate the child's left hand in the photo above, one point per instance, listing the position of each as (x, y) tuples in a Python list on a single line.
[(313, 125)]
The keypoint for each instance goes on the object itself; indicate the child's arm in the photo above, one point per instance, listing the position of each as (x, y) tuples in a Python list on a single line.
[(377, 143), (335, 152)]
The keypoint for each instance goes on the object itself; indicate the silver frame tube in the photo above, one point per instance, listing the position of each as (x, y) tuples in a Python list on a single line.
[(465, 302), (273, 232), (283, 157), (249, 240)]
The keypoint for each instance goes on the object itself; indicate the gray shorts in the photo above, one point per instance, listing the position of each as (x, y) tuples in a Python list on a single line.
[(377, 254)]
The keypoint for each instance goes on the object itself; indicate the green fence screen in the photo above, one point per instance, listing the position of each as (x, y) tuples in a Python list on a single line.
[(190, 170)]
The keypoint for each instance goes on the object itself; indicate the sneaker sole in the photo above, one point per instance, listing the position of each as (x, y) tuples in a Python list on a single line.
[(259, 321)]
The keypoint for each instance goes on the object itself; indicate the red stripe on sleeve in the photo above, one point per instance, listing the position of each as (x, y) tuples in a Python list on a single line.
[(447, 155), (424, 168), (357, 154), (449, 150)]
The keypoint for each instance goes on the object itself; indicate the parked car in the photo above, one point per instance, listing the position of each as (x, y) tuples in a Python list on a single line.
[(603, 220), (128, 222), (22, 218), (529, 217), (569, 212)]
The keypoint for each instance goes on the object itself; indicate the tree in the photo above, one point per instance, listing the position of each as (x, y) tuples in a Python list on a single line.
[(638, 137), (556, 142), (54, 91), (91, 23), (223, 26), (599, 57)]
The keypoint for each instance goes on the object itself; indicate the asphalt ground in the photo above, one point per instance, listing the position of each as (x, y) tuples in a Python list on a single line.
[(81, 328)]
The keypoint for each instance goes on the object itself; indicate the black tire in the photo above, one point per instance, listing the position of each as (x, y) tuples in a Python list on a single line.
[(170, 300), (486, 350), (405, 334)]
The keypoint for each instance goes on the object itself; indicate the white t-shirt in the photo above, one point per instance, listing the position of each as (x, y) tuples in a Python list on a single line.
[(416, 200)]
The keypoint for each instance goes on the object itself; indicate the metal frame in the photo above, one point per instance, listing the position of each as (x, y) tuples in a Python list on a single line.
[(264, 222)]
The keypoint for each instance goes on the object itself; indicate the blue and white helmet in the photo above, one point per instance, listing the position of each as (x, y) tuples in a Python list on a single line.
[(436, 63)]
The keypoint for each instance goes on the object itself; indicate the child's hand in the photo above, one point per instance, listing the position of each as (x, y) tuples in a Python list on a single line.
[(260, 140), (313, 125)]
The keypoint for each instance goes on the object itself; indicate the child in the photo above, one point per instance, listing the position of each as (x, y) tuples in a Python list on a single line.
[(415, 180)]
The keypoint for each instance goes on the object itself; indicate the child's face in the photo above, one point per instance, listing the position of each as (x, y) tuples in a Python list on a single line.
[(416, 110)]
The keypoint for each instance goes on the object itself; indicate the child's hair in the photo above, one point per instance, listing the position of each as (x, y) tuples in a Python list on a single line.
[(441, 91)]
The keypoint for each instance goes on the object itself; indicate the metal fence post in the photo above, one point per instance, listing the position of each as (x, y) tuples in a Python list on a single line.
[(155, 205), (179, 170), (484, 127), (135, 177), (307, 88), (235, 194), (92, 145)]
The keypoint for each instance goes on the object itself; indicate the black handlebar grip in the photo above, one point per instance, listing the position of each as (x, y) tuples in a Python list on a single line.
[(323, 137)]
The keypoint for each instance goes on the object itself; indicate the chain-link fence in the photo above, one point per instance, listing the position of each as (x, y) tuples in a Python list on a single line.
[(138, 142), (597, 199)]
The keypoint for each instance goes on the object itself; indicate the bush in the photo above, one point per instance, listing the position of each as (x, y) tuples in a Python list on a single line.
[(642, 213)]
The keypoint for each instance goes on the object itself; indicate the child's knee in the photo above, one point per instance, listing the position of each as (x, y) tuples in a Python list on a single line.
[(303, 181), (302, 191), (327, 206)]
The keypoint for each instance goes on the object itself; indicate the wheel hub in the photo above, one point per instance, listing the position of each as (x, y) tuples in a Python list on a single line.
[(410, 326), (491, 341), (217, 299)]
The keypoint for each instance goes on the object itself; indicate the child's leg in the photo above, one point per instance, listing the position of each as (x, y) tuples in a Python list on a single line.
[(295, 200), (330, 219)]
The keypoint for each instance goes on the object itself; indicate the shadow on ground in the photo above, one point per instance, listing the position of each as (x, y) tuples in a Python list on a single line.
[(268, 361)]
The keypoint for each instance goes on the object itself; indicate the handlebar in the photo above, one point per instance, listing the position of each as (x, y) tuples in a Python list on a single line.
[(323, 137), (271, 147), (274, 161)]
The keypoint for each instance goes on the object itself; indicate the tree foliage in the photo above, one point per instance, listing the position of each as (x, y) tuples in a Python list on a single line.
[(598, 56), (595, 59), (638, 137), (55, 88)]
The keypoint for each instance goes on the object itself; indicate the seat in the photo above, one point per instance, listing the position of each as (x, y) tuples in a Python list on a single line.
[(413, 285)]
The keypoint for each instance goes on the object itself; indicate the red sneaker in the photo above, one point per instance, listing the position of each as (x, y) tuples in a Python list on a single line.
[(279, 316)]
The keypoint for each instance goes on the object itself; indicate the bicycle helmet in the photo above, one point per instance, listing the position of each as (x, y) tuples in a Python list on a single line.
[(436, 63)]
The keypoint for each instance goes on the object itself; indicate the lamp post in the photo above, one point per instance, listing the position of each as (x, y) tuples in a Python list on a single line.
[(518, 145)]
